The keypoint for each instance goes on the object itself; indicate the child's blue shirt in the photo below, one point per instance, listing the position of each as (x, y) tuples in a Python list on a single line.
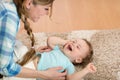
[(55, 58)]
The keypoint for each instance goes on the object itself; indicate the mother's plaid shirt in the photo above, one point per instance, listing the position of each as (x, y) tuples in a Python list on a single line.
[(9, 24)]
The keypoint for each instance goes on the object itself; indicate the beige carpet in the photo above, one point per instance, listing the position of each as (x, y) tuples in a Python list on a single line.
[(106, 45)]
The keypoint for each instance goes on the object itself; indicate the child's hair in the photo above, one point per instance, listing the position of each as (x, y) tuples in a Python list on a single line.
[(88, 58), (22, 12)]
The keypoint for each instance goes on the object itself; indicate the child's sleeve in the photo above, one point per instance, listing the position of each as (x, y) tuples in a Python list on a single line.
[(70, 68)]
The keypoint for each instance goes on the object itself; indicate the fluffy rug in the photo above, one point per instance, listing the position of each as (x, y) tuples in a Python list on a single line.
[(106, 46)]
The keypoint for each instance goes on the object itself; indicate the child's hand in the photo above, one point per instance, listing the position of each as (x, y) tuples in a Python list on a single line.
[(44, 49), (91, 68)]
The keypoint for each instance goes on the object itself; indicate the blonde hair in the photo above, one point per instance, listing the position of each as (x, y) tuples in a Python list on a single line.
[(22, 12)]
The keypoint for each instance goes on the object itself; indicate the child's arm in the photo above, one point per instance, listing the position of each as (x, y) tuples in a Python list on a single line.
[(90, 68), (52, 41)]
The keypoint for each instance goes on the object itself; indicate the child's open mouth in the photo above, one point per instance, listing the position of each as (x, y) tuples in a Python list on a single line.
[(69, 47)]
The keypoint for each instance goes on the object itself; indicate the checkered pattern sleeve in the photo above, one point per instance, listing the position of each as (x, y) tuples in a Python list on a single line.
[(9, 23)]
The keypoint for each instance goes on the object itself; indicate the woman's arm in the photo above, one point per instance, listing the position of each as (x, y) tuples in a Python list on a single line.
[(50, 74), (90, 68), (52, 41)]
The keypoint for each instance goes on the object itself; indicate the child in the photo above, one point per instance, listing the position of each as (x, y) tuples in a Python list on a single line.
[(78, 52)]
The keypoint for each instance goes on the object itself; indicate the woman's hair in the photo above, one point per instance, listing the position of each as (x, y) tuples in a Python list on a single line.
[(22, 12), (88, 58)]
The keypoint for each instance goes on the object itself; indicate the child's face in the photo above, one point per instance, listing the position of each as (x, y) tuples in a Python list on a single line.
[(76, 50)]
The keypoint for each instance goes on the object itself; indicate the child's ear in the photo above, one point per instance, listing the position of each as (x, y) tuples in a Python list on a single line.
[(78, 60)]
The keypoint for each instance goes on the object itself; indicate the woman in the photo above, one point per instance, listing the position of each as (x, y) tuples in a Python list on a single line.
[(10, 15)]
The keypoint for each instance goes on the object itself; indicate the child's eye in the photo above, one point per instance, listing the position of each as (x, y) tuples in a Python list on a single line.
[(74, 41), (78, 46)]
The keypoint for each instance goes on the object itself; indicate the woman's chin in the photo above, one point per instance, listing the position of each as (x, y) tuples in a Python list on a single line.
[(35, 20)]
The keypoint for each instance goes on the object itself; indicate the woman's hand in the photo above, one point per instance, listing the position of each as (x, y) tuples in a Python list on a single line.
[(44, 49), (50, 74), (53, 74)]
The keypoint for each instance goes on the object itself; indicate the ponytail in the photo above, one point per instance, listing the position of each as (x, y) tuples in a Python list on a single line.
[(30, 54), (21, 12)]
